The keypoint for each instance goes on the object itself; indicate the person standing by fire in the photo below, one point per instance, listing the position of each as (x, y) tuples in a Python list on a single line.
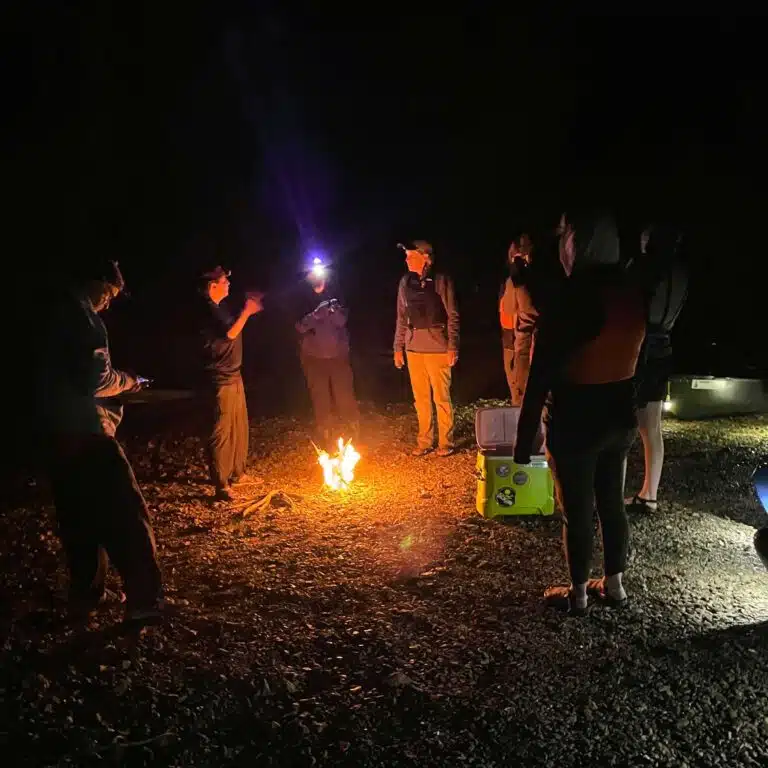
[(427, 333), (587, 348), (222, 350), (100, 509), (324, 349)]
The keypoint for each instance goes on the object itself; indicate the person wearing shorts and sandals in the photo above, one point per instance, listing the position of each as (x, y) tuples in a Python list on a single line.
[(659, 253)]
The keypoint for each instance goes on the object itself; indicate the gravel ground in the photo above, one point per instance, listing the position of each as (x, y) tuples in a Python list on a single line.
[(392, 626)]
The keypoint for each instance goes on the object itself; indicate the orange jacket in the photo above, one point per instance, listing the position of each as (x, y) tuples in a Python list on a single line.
[(612, 354)]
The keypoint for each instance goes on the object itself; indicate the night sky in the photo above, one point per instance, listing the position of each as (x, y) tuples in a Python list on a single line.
[(175, 136)]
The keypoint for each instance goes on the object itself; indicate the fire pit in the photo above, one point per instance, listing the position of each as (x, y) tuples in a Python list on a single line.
[(339, 468)]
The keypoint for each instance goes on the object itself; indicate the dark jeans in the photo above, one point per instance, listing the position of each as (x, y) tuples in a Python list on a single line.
[(227, 444), (330, 380), (101, 513), (589, 471)]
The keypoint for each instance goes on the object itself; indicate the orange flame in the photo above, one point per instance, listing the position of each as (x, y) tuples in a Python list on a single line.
[(339, 469)]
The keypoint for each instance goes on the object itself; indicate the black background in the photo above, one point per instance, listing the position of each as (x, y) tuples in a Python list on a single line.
[(173, 135)]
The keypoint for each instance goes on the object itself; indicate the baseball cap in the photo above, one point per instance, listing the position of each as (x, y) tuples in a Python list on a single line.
[(216, 273), (423, 246)]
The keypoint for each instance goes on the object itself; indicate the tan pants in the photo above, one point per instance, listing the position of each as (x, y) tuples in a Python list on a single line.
[(509, 370), (431, 379)]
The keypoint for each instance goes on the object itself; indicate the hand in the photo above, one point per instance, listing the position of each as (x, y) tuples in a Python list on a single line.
[(453, 357), (321, 310), (399, 360), (253, 303)]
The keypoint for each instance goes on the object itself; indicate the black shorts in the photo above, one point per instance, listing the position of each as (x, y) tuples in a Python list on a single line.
[(652, 379)]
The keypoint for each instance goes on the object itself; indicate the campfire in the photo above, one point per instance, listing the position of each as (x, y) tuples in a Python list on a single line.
[(339, 469)]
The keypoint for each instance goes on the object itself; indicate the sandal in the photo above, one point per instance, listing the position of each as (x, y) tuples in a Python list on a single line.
[(561, 598), (638, 504), (596, 587)]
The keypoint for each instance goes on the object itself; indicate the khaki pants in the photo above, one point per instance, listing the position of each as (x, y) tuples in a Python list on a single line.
[(509, 370), (431, 379)]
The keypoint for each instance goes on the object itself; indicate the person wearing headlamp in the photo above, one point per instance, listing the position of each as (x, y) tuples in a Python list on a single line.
[(324, 352)]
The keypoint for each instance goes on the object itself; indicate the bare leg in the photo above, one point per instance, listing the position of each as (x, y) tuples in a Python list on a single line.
[(649, 424)]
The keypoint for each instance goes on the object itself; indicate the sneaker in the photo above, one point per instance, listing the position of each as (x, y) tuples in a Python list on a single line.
[(420, 451), (443, 452), (223, 494)]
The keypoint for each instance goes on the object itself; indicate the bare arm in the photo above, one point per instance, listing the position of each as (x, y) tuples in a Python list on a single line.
[(252, 306)]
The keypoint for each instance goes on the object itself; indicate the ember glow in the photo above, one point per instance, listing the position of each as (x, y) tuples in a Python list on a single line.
[(339, 469)]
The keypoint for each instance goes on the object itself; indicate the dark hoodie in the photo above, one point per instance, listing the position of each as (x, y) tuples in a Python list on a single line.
[(322, 323)]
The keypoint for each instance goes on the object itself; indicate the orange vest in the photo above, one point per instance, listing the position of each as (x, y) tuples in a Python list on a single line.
[(612, 355)]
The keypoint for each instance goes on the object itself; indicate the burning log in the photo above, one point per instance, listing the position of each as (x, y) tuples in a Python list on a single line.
[(339, 469)]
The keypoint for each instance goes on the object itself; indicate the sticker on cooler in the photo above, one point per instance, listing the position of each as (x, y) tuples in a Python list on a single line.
[(520, 478), (503, 470), (506, 497)]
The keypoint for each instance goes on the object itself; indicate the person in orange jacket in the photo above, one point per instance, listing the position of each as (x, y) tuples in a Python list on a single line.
[(587, 347)]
